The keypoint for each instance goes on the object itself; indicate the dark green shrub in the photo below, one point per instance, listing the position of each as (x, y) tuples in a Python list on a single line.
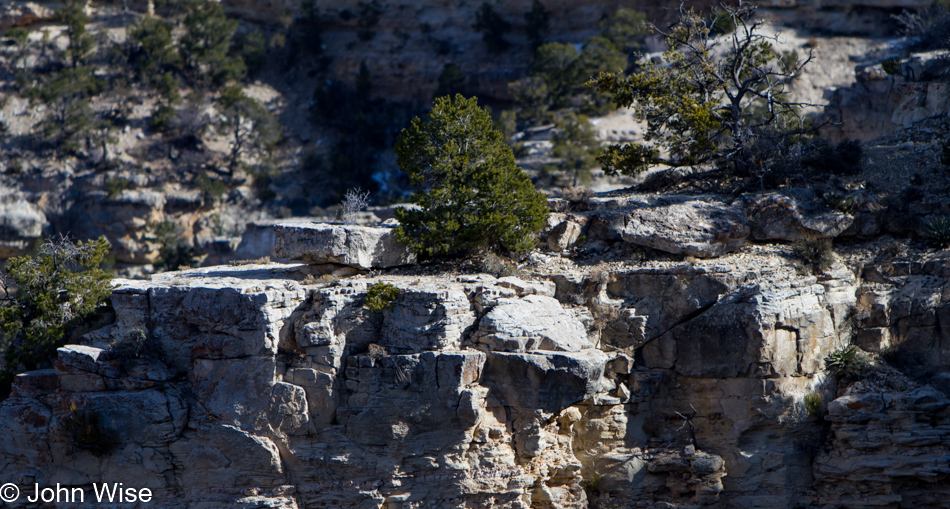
[(85, 431), (493, 28), (848, 363), (842, 159), (254, 51), (162, 119), (152, 48), (626, 29), (892, 66), (250, 126), (81, 43), (206, 43), (380, 297), (470, 193), (815, 251), (18, 34), (936, 232), (213, 188), (536, 23), (451, 81), (55, 291), (813, 404), (575, 144), (115, 186)]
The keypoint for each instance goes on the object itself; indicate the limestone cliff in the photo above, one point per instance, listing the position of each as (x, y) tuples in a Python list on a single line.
[(623, 382)]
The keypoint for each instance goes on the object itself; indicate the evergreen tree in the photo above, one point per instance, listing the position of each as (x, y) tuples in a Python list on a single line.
[(153, 48), (493, 28), (249, 125), (81, 43), (206, 43), (55, 290), (451, 81), (471, 194), (536, 23), (66, 94), (706, 104)]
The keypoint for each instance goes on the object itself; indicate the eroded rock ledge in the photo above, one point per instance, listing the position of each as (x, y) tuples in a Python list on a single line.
[(674, 384)]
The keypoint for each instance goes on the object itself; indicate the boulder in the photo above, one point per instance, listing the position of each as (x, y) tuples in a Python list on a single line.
[(549, 381), (360, 246), (533, 323), (695, 226), (792, 216), (21, 223), (563, 236)]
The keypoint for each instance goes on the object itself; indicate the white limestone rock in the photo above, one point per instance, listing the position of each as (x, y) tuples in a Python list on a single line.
[(359, 246)]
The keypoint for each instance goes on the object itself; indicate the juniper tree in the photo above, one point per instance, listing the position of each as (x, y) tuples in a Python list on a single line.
[(46, 295), (152, 48), (714, 100), (470, 193), (206, 43), (536, 23), (248, 124), (493, 28), (80, 44), (67, 94)]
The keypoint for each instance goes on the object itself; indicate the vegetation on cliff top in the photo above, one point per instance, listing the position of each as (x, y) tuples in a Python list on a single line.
[(45, 296), (470, 193)]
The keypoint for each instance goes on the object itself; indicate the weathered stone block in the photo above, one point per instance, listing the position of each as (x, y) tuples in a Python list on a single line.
[(361, 246)]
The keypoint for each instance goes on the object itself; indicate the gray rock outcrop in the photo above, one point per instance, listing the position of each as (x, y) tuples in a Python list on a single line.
[(360, 246)]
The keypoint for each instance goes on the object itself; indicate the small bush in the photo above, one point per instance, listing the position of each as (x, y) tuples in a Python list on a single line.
[(892, 66), (85, 431), (817, 252), (592, 485), (162, 118), (848, 363), (842, 159), (55, 291), (115, 186), (354, 201), (213, 188), (498, 266), (264, 260), (380, 297), (937, 232), (813, 402)]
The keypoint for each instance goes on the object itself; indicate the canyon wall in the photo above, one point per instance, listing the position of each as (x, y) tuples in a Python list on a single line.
[(621, 383)]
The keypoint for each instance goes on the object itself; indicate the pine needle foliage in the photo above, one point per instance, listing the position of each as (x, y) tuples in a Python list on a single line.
[(46, 295), (713, 100), (471, 195)]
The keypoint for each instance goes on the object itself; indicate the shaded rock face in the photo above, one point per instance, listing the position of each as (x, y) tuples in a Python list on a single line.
[(680, 386)]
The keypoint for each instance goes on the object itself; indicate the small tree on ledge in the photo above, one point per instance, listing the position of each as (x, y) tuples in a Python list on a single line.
[(715, 100), (470, 193)]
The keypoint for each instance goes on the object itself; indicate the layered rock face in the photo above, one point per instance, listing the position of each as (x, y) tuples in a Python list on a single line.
[(413, 41), (667, 384)]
